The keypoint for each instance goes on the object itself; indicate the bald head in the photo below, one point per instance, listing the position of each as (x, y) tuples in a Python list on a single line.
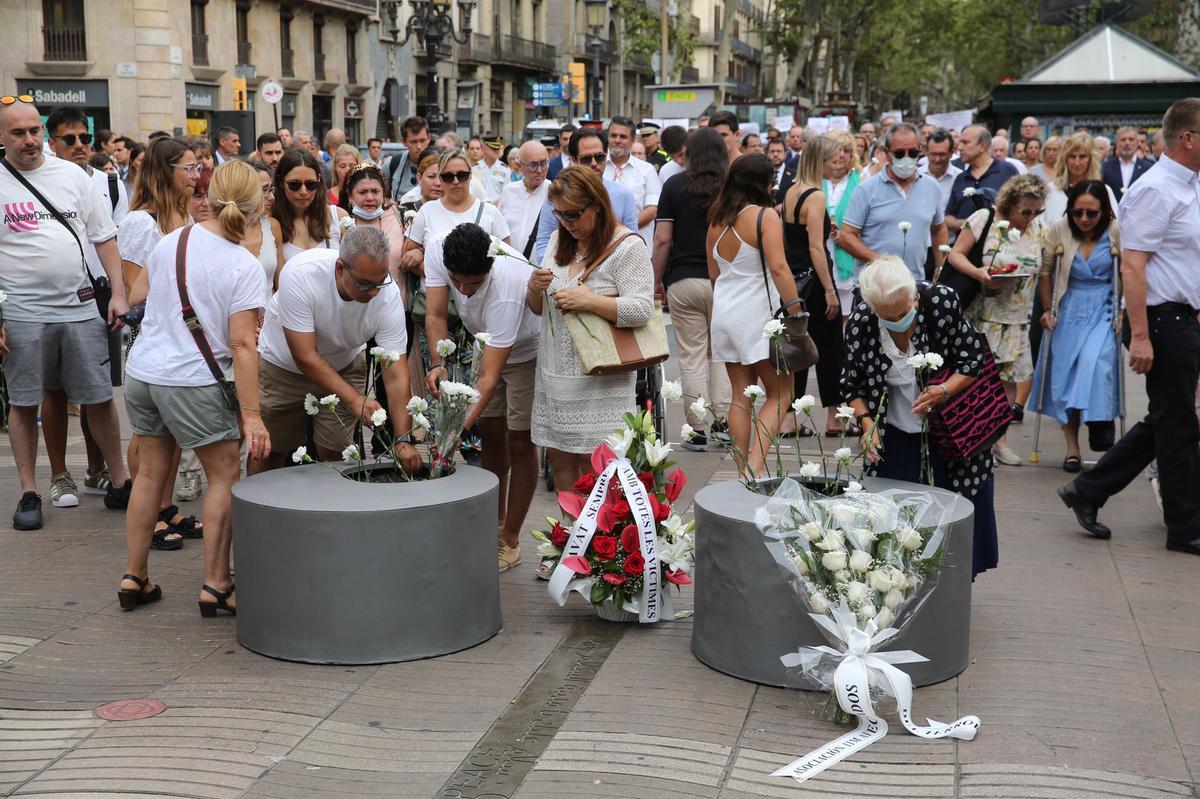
[(535, 160), (1029, 128), (21, 135)]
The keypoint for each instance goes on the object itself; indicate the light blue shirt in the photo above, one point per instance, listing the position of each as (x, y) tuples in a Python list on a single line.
[(877, 208), (623, 205)]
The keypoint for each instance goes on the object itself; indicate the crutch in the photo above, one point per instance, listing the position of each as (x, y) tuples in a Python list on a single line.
[(1044, 356), (1116, 326)]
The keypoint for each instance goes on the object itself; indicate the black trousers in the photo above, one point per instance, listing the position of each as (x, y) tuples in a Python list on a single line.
[(831, 348), (1170, 432)]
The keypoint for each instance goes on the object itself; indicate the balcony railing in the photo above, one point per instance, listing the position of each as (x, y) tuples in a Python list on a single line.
[(524, 52), (200, 49), (288, 62), (477, 50), (746, 50), (243, 54), (319, 66), (585, 44), (64, 44), (639, 63)]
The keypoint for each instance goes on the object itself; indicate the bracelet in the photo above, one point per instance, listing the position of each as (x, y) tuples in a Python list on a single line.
[(945, 392), (862, 416)]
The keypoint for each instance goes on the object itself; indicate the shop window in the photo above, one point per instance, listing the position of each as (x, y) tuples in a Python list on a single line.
[(63, 30), (199, 33)]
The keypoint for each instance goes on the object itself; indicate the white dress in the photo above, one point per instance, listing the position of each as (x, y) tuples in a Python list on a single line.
[(742, 304), (332, 240), (573, 412), (268, 257)]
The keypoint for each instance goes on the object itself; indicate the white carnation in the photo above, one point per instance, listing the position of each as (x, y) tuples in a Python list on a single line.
[(918, 361), (376, 351), (845, 412), (699, 407), (311, 406), (810, 469), (934, 360), (687, 432), (754, 392), (446, 347), (672, 390), (350, 454), (772, 328), (1002, 225), (330, 401), (843, 454), (378, 418), (804, 404), (420, 422), (854, 487), (905, 226), (484, 338), (417, 405), (944, 248), (300, 455)]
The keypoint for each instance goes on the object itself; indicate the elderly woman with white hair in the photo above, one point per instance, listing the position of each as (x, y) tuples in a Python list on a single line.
[(892, 320)]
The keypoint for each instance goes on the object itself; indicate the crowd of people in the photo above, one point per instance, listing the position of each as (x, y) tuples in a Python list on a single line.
[(253, 281)]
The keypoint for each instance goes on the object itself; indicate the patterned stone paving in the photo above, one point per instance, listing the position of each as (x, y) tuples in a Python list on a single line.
[(1085, 671)]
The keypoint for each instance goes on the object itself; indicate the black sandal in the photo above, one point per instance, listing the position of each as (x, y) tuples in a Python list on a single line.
[(187, 526), (131, 599), (1072, 464), (209, 609), (162, 541)]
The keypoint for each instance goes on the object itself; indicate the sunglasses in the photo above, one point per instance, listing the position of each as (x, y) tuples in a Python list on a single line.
[(569, 216), (910, 153), (296, 185), (268, 191), (536, 166), (1082, 213), (1030, 213), (588, 160), (9, 99), (366, 285), (455, 177), (69, 139)]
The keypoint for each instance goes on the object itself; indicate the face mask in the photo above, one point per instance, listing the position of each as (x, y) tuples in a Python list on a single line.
[(904, 168), (367, 215), (900, 326)]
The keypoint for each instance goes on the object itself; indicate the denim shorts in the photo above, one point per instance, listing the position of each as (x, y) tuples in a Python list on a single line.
[(58, 356), (194, 415)]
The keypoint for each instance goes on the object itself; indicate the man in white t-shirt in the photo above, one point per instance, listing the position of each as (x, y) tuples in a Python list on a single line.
[(69, 140), (52, 335), (521, 201), (328, 305), (489, 293)]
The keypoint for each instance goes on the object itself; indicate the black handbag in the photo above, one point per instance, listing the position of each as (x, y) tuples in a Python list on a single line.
[(793, 350), (100, 289), (964, 285)]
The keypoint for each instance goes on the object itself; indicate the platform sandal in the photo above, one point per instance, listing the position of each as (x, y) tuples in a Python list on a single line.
[(209, 609), (131, 599), (187, 526), (163, 543)]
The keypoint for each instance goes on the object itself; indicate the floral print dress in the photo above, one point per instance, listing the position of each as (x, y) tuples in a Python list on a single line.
[(1001, 313)]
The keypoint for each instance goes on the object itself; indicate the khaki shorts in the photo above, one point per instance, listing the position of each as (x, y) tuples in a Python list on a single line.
[(195, 416), (281, 398), (513, 398)]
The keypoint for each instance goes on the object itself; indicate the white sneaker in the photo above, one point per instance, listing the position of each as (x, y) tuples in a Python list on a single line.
[(189, 485), (1003, 454)]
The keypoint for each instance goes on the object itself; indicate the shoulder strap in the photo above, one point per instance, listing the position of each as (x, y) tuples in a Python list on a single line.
[(604, 254), (762, 257), (114, 195), (189, 314), (479, 213), (16, 173), (799, 203), (532, 235)]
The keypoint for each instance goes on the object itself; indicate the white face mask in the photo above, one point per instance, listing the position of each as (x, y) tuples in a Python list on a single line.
[(904, 168)]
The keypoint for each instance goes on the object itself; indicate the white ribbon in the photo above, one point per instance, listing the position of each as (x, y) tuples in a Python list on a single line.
[(655, 603), (851, 683)]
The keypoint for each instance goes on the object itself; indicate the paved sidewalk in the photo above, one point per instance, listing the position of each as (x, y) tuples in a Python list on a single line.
[(1085, 671)]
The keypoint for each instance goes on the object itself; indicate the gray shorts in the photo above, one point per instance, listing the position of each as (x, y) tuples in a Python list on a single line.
[(194, 415), (58, 356)]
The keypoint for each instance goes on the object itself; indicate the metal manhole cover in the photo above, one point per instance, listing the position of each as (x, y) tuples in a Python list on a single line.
[(130, 709)]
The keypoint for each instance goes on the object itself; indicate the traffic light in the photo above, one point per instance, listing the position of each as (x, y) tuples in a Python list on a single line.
[(578, 82), (240, 100)]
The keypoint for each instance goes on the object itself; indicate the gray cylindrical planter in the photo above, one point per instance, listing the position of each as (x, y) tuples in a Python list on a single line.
[(331, 570), (747, 614)]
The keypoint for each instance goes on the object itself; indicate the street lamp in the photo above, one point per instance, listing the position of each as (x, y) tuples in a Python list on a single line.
[(432, 23), (597, 12)]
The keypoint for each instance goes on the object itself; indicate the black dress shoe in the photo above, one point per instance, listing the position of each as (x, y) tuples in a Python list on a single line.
[(1101, 435), (1085, 512), (1191, 547), (1018, 413)]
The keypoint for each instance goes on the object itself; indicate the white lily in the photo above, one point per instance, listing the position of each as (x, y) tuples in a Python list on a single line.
[(675, 555), (620, 441), (656, 452)]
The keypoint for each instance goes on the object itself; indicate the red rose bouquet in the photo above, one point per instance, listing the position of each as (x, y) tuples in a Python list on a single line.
[(619, 541)]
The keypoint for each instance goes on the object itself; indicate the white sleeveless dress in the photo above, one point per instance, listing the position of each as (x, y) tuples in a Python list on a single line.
[(742, 304), (268, 257), (332, 241)]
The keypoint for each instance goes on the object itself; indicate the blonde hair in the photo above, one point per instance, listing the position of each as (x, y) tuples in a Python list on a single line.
[(234, 193), (845, 141), (1022, 187), (886, 280), (1074, 143), (818, 150)]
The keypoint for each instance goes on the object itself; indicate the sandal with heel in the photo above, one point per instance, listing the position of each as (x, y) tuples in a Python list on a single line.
[(131, 599), (209, 609)]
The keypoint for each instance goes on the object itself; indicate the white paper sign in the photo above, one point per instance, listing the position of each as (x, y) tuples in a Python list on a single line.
[(897, 115), (951, 120), (818, 125), (682, 123), (839, 123), (783, 124)]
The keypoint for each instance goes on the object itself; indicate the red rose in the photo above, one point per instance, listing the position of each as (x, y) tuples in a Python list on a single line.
[(630, 540), (615, 578), (647, 479), (585, 484), (661, 511), (635, 564), (605, 547), (678, 577), (559, 535), (620, 509)]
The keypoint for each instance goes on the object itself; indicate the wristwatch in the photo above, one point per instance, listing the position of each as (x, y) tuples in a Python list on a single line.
[(407, 438)]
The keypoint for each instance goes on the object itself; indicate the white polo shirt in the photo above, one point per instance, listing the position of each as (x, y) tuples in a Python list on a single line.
[(1160, 214)]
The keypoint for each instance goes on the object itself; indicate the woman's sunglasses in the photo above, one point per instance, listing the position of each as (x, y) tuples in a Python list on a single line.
[(455, 177), (1082, 213), (69, 139), (569, 216), (1030, 213), (296, 185)]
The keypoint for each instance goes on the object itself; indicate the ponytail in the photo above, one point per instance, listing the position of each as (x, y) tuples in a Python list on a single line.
[(234, 193)]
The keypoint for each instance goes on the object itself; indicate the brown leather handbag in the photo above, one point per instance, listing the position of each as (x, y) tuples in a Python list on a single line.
[(793, 350)]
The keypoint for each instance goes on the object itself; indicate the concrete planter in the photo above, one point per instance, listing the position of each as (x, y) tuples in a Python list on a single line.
[(747, 614), (332, 570)]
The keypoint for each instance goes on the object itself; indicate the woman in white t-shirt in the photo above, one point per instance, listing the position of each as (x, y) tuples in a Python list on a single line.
[(161, 203), (172, 394), (302, 205)]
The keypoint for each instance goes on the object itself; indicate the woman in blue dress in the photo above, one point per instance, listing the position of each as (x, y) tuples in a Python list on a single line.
[(1081, 377)]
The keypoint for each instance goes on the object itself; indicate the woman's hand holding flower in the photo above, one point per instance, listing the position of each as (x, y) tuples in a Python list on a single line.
[(575, 298)]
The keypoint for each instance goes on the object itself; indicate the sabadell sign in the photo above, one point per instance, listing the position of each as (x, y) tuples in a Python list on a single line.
[(83, 93)]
